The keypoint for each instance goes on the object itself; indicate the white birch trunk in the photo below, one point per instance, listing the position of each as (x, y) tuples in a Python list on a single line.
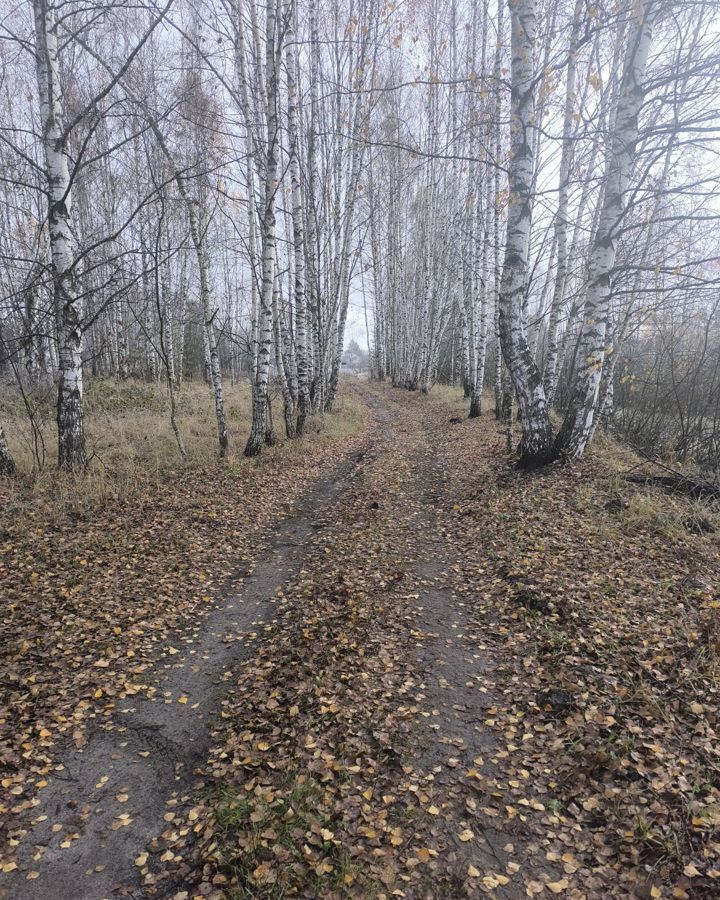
[(465, 344), (165, 332), (123, 346), (379, 334), (7, 463), (537, 439), (301, 346), (578, 423), (280, 363), (314, 292), (424, 365), (209, 327), (269, 240), (32, 342), (68, 306), (482, 268), (497, 271), (561, 218)]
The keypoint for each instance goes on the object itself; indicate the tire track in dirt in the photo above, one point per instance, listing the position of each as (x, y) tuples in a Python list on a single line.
[(459, 754), (106, 801)]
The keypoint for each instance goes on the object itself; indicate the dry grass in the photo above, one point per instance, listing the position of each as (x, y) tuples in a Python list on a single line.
[(672, 517), (452, 395), (614, 453), (648, 508), (128, 423), (130, 441)]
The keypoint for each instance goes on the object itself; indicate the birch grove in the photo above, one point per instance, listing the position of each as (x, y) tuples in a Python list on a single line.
[(516, 197)]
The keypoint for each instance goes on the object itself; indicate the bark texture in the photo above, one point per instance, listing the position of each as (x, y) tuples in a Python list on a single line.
[(258, 430), (68, 305), (537, 444), (7, 463), (578, 422)]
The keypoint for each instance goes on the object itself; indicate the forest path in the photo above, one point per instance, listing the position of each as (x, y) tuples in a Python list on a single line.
[(379, 518), (429, 700), (355, 756), (107, 800)]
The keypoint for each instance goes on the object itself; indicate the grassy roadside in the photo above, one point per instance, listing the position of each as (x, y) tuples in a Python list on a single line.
[(130, 441)]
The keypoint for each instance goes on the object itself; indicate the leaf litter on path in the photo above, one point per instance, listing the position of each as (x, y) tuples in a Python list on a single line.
[(479, 682), (99, 657)]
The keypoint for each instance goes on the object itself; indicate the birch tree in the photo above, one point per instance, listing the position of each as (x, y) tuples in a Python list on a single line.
[(561, 222), (7, 463), (217, 218), (298, 219), (268, 237), (67, 301), (578, 421), (537, 438)]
